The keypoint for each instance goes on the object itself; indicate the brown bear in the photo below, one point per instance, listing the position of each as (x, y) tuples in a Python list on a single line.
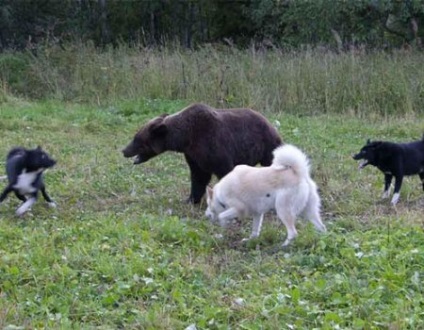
[(213, 141)]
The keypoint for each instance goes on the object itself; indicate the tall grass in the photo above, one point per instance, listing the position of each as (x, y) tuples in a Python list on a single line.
[(305, 82)]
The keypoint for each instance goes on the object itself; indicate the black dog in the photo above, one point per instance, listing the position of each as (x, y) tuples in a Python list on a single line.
[(24, 169), (394, 160)]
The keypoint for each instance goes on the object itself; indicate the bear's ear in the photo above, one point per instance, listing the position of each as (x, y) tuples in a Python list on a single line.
[(157, 127), (159, 130), (368, 141)]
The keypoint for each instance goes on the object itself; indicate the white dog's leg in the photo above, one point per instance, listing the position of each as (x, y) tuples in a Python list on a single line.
[(256, 227), (316, 221), (227, 215), (311, 211), (312, 214), (289, 221), (291, 229), (25, 206)]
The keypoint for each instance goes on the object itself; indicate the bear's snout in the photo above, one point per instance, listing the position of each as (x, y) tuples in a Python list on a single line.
[(129, 151)]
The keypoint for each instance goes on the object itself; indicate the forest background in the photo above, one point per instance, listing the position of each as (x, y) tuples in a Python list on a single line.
[(273, 23)]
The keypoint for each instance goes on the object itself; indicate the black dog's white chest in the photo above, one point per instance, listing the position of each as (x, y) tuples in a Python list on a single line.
[(25, 182)]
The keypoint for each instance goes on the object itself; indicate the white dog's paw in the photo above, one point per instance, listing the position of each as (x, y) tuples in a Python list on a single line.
[(252, 236), (53, 205), (286, 242), (395, 199), (385, 194)]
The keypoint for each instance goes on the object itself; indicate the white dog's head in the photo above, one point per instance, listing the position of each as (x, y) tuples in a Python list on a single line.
[(214, 206)]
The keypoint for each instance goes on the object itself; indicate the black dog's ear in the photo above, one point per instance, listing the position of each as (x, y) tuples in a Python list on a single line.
[(368, 141), (38, 147)]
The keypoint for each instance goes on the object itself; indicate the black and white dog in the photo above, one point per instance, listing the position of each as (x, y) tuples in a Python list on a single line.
[(394, 160), (24, 169)]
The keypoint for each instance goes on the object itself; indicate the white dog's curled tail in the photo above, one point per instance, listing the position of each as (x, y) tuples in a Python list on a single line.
[(288, 155)]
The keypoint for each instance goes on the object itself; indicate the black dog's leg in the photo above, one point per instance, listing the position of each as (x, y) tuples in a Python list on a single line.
[(20, 197), (41, 186), (387, 182), (422, 178), (398, 185), (199, 181), (5, 192), (45, 195)]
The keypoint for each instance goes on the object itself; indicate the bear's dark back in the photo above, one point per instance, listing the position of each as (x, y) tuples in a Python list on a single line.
[(253, 136), (222, 138)]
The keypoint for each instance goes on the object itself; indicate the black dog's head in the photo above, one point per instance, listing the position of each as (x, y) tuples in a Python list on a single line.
[(38, 159), (368, 154)]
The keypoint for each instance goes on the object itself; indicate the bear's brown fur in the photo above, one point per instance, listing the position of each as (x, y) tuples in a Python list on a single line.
[(213, 141)]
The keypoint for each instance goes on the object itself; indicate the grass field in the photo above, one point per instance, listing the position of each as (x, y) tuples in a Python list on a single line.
[(123, 251)]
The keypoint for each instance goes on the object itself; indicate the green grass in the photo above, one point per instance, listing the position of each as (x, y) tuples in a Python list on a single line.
[(123, 250)]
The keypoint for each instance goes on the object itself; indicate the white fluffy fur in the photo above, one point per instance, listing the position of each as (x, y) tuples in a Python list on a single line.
[(289, 155), (285, 186)]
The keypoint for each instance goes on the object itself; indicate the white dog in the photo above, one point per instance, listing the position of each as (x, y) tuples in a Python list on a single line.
[(285, 186)]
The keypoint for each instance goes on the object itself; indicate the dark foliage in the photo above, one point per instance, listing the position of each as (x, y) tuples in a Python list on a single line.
[(26, 24)]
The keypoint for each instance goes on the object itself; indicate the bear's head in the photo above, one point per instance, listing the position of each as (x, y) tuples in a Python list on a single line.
[(148, 142)]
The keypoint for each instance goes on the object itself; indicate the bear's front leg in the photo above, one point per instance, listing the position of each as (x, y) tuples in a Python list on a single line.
[(199, 181)]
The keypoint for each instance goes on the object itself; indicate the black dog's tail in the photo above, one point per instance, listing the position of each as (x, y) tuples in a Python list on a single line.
[(16, 152)]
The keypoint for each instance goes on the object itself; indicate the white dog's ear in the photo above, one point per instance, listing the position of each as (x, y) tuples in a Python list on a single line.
[(209, 192)]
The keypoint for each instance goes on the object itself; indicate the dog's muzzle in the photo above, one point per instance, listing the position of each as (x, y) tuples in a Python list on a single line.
[(210, 215)]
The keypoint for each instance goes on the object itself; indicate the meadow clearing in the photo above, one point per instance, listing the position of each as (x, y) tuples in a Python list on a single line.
[(123, 251)]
